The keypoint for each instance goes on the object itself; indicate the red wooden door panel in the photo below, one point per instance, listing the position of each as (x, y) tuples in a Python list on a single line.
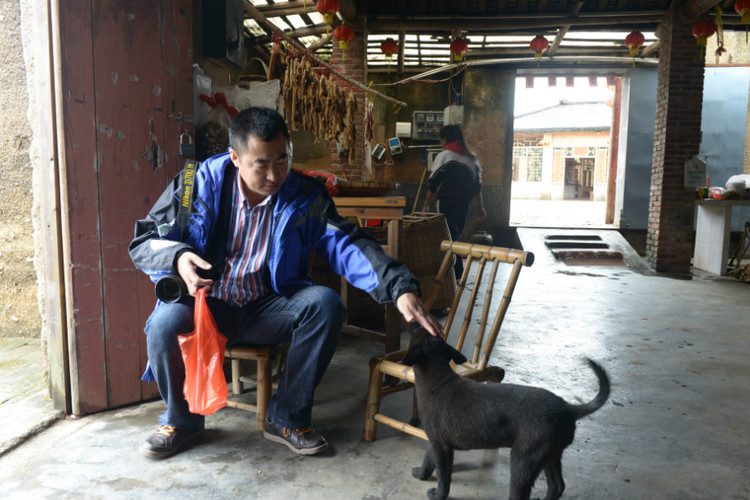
[(127, 78)]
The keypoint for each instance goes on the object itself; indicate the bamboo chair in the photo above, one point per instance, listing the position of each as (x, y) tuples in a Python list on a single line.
[(263, 382), (477, 367)]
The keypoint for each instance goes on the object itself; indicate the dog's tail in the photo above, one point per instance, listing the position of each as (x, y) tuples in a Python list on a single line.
[(601, 398)]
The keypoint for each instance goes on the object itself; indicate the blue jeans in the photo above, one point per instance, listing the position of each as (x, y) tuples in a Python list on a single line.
[(310, 321)]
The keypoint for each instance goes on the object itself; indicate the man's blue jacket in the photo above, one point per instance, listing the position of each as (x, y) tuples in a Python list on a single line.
[(304, 218)]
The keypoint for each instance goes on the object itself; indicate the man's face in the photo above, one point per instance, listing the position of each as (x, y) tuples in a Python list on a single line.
[(263, 167)]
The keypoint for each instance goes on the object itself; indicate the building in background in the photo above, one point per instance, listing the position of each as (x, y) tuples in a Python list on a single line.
[(562, 152)]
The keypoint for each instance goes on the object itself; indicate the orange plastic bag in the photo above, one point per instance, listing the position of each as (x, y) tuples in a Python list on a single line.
[(205, 387)]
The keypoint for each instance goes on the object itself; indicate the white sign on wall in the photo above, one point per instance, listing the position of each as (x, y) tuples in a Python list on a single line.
[(695, 172)]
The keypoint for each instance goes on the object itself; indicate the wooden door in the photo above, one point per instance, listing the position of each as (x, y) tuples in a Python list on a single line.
[(125, 97)]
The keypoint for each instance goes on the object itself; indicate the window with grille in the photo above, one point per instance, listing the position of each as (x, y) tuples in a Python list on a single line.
[(527, 163)]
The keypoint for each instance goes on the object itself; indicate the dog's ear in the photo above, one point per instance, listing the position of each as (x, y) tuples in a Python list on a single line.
[(416, 351), (413, 355), (453, 354)]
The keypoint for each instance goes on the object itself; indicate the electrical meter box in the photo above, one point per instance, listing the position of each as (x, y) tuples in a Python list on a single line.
[(453, 115), (426, 125)]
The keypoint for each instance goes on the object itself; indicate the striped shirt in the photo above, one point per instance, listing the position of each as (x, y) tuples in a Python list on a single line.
[(241, 280)]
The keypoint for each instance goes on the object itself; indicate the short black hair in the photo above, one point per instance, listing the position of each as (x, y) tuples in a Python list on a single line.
[(264, 123), (453, 133)]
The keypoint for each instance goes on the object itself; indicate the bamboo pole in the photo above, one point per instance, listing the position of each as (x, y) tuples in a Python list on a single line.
[(268, 25), (402, 426)]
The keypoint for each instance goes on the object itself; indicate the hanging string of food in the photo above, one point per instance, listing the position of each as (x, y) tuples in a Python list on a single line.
[(314, 102)]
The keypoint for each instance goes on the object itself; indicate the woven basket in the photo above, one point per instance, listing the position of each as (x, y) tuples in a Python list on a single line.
[(420, 251)]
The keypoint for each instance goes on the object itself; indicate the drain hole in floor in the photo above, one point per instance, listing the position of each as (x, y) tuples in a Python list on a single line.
[(576, 244), (578, 237), (589, 258)]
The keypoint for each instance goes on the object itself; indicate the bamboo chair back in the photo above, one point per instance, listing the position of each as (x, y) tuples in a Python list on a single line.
[(477, 367), (485, 254)]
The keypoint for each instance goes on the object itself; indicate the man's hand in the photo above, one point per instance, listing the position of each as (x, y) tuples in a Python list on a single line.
[(187, 266), (412, 309)]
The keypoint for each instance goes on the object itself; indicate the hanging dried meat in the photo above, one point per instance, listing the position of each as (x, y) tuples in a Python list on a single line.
[(315, 103)]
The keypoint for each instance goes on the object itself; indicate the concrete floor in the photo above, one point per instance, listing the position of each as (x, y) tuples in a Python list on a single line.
[(558, 213), (674, 428)]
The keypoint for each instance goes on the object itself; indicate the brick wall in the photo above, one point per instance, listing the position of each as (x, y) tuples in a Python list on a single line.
[(352, 63), (677, 137)]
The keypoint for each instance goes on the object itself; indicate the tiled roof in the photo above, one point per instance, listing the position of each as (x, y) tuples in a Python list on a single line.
[(566, 117)]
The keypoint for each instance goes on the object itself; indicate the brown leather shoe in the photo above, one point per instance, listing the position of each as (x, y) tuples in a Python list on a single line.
[(300, 441), (167, 441)]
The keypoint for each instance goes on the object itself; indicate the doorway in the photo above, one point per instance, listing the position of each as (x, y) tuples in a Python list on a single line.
[(562, 151), (579, 176)]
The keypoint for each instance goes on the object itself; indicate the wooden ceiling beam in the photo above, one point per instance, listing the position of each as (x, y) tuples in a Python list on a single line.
[(515, 17), (689, 11), (401, 46), (507, 23), (650, 49), (311, 31), (347, 9), (320, 42), (564, 30), (525, 50), (284, 9)]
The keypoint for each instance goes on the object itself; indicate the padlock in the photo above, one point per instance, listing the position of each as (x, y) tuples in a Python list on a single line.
[(186, 149)]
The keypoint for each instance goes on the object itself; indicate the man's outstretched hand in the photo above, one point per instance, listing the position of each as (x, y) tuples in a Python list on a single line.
[(412, 309)]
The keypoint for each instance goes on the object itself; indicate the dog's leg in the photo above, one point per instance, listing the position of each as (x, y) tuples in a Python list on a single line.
[(444, 464), (424, 472), (414, 412), (555, 483), (525, 466)]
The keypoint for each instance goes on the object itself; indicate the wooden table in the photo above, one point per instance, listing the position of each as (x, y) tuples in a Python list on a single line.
[(390, 209), (712, 234)]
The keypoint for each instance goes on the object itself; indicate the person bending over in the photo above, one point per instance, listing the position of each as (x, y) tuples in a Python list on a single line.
[(456, 179)]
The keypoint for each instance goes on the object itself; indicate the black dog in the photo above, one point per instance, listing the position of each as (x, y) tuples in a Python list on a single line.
[(461, 414)]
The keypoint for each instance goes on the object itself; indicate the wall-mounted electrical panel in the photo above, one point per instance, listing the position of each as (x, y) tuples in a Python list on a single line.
[(426, 125)]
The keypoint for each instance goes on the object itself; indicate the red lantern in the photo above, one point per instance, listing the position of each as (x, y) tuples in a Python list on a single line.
[(743, 8), (343, 33), (634, 41), (390, 47), (702, 30), (539, 44), (459, 46), (328, 8)]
